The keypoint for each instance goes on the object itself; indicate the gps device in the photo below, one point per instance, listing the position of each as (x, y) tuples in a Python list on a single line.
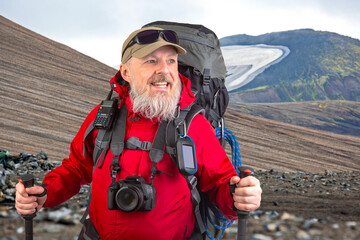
[(186, 155), (105, 114)]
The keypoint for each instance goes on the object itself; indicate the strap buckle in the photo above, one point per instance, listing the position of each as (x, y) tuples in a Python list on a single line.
[(146, 146), (114, 167), (133, 143), (182, 130), (206, 77), (192, 182)]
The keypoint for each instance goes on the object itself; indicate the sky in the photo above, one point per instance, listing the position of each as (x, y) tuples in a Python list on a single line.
[(98, 28)]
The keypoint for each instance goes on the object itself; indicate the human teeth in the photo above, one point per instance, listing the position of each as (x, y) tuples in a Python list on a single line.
[(160, 84)]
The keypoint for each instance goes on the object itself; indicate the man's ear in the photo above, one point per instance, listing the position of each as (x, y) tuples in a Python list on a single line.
[(125, 72)]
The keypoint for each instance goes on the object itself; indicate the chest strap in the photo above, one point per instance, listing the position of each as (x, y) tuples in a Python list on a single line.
[(133, 143)]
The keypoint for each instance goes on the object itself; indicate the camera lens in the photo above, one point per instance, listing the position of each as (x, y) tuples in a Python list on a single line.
[(128, 199)]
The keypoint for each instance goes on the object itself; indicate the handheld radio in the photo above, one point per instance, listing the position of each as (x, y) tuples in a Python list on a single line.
[(105, 114)]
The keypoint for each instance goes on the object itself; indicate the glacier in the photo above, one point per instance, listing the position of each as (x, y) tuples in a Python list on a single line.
[(245, 62)]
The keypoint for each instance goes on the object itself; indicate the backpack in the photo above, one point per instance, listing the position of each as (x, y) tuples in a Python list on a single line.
[(204, 65)]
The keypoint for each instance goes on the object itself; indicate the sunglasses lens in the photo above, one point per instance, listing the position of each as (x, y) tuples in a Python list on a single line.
[(148, 36), (151, 36), (170, 36)]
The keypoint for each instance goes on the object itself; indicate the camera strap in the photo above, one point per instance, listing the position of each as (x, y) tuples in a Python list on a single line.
[(158, 148), (117, 141)]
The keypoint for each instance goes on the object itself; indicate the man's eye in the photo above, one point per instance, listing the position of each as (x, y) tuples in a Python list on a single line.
[(151, 61), (172, 61)]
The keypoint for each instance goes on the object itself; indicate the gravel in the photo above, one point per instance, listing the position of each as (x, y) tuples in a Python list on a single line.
[(295, 205)]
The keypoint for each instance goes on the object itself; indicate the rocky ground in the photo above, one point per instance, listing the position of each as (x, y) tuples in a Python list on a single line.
[(295, 205), (47, 89)]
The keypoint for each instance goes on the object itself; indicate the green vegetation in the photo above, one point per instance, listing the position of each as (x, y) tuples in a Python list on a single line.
[(322, 106), (245, 109), (260, 88), (321, 82), (320, 66), (341, 118)]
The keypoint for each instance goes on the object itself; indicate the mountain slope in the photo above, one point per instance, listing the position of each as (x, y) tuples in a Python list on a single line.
[(342, 117), (267, 144), (47, 89), (320, 66)]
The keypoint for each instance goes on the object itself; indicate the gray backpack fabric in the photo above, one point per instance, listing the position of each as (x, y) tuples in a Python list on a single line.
[(204, 65)]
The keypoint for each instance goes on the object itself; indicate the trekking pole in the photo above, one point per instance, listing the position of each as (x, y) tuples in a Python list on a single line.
[(242, 215), (28, 181)]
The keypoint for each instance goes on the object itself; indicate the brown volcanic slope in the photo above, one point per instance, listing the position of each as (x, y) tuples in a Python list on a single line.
[(47, 89), (342, 117), (267, 144)]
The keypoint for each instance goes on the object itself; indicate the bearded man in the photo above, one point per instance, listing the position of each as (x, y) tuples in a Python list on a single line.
[(154, 92)]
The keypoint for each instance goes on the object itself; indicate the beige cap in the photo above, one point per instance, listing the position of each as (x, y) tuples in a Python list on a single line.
[(142, 50)]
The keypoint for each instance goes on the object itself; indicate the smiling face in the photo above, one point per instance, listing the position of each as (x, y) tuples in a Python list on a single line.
[(154, 83)]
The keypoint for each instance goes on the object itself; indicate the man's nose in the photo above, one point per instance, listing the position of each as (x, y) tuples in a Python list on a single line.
[(163, 67)]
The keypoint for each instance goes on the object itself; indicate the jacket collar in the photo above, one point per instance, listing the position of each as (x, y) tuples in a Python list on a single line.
[(186, 97)]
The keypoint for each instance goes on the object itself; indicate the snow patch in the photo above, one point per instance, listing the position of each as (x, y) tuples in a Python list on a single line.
[(244, 63)]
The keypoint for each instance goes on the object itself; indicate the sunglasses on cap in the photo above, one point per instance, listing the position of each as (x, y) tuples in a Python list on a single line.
[(151, 36)]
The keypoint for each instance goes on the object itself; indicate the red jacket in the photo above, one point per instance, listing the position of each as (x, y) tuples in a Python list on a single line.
[(173, 217)]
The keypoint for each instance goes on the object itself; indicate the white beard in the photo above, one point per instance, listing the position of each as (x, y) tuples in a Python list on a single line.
[(158, 106)]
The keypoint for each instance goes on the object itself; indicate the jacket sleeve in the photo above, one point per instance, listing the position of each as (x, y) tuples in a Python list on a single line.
[(65, 181), (214, 167)]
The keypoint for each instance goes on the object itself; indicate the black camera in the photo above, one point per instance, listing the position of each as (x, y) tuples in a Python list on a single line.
[(131, 194)]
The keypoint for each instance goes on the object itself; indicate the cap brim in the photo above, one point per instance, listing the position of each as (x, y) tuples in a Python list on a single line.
[(149, 48)]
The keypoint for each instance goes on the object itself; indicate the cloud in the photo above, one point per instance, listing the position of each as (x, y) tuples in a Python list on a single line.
[(59, 18), (263, 16), (98, 28)]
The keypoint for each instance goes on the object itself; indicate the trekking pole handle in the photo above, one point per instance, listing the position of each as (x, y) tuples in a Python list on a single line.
[(242, 215), (28, 180)]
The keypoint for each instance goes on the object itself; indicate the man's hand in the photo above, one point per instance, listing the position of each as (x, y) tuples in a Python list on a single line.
[(247, 196), (26, 204)]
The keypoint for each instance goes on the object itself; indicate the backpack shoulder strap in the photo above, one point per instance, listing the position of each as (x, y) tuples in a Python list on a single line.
[(87, 132), (195, 110), (101, 143), (180, 125)]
